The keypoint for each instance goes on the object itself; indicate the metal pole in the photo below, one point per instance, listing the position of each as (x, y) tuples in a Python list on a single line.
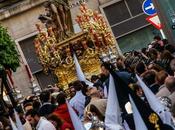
[(2, 104), (9, 91), (163, 34)]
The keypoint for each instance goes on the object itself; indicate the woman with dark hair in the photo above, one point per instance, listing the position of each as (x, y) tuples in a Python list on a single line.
[(95, 119), (5, 123), (58, 123), (62, 110), (166, 58), (95, 111), (166, 55)]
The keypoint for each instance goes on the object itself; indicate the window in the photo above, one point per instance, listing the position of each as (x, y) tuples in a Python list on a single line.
[(28, 50), (135, 6), (117, 12), (125, 16)]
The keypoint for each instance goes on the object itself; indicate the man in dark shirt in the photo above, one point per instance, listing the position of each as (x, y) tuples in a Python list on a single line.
[(122, 97), (149, 79), (46, 108)]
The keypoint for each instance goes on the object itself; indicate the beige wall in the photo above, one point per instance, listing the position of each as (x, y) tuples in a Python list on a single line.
[(103, 1), (23, 24)]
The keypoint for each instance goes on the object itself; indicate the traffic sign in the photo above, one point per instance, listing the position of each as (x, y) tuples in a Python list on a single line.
[(148, 8), (155, 21)]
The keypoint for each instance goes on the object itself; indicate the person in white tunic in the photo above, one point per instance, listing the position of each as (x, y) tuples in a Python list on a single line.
[(39, 123), (78, 101)]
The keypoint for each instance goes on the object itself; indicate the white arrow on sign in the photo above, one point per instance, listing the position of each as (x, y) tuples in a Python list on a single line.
[(155, 21), (150, 7)]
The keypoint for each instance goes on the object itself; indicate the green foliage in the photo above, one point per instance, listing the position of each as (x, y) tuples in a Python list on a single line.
[(8, 54)]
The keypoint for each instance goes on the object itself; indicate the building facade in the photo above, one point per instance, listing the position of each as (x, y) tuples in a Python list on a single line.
[(128, 23)]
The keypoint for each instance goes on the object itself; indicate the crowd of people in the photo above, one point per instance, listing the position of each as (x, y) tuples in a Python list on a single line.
[(155, 65)]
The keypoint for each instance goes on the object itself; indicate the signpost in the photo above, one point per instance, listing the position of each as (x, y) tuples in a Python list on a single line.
[(149, 9), (155, 21)]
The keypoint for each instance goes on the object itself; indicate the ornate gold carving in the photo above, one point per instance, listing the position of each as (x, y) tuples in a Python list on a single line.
[(55, 53), (153, 118), (94, 23)]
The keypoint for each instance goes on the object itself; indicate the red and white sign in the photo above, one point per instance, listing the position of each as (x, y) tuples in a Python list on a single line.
[(155, 21)]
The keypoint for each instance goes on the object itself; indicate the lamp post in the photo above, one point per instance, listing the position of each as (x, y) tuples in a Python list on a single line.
[(166, 13), (9, 91)]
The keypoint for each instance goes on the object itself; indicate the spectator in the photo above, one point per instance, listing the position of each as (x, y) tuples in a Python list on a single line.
[(96, 81), (120, 64), (99, 103), (36, 105), (96, 112), (137, 90), (46, 108), (172, 66), (166, 58), (170, 84), (149, 79), (84, 90), (127, 77), (5, 123), (78, 101), (159, 41), (58, 123), (1, 126), (62, 110), (24, 122), (165, 42), (71, 90), (153, 54), (144, 51), (39, 123), (94, 78), (28, 106), (166, 55), (154, 66), (160, 79), (140, 68), (103, 78)]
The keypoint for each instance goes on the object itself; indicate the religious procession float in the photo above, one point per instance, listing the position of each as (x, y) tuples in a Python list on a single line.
[(56, 42)]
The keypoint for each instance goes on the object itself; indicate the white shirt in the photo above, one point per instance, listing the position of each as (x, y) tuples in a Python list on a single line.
[(163, 92), (78, 103), (44, 124)]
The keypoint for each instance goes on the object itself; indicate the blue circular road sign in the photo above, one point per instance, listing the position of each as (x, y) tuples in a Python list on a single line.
[(148, 7)]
